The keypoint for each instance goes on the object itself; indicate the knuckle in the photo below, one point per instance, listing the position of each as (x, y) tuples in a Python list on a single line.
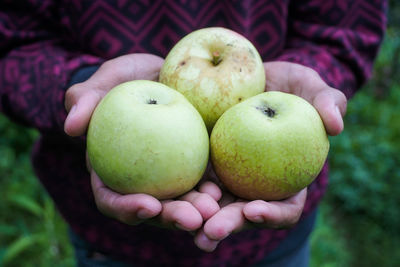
[(106, 208), (312, 73), (103, 208), (343, 99), (72, 91), (72, 94), (108, 64), (201, 197), (182, 204), (291, 222), (122, 216), (117, 67), (294, 218), (299, 74), (175, 207)]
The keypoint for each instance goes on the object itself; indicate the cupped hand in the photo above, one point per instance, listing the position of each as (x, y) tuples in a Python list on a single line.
[(189, 211), (302, 81), (237, 214), (82, 98)]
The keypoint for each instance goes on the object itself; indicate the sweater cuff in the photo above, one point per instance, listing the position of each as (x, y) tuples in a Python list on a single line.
[(83, 74)]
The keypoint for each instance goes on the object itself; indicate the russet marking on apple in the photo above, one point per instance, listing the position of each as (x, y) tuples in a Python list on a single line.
[(269, 146)]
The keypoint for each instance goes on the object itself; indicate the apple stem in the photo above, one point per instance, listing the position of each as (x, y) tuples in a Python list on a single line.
[(152, 101), (267, 111), (270, 112), (216, 58)]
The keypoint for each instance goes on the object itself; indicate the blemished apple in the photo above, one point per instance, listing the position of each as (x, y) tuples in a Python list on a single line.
[(145, 137), (215, 68), (269, 147)]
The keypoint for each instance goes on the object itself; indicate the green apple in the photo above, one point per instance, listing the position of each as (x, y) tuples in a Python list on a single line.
[(215, 68), (269, 147), (145, 137)]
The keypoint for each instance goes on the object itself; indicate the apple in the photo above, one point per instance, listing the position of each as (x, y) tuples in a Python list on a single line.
[(145, 137), (215, 68), (269, 147)]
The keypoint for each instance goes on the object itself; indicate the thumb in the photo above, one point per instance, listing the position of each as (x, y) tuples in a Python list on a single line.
[(80, 103), (81, 99), (331, 105)]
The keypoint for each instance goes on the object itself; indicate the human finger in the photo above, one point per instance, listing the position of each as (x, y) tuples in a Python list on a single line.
[(203, 202), (276, 214), (130, 209), (180, 214), (82, 98)]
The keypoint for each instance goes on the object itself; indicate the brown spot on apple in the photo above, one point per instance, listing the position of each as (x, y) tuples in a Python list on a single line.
[(252, 52)]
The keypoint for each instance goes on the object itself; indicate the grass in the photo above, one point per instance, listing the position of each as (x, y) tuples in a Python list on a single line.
[(32, 233)]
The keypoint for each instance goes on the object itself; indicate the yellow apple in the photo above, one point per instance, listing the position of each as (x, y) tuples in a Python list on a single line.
[(214, 68)]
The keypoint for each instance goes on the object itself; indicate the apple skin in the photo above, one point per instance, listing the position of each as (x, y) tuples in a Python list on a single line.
[(269, 147), (215, 68), (145, 137)]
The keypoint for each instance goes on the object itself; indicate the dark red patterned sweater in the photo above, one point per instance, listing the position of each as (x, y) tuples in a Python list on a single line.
[(44, 42)]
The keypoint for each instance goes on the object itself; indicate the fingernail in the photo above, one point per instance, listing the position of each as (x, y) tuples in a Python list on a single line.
[(257, 219), (72, 110), (143, 214), (179, 226), (206, 244), (338, 112)]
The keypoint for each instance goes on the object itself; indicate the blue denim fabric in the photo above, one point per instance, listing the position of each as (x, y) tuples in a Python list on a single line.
[(86, 257), (294, 250)]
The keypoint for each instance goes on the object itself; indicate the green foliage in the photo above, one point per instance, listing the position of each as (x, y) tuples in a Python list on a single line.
[(328, 243), (365, 159), (31, 231), (364, 188)]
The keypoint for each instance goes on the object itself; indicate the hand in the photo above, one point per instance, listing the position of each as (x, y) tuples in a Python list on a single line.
[(302, 81), (186, 213), (189, 211), (237, 214), (82, 98)]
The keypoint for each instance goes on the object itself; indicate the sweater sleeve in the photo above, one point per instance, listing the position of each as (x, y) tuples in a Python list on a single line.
[(338, 39), (36, 63)]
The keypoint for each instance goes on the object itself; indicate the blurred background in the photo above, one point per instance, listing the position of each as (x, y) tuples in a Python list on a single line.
[(359, 218)]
